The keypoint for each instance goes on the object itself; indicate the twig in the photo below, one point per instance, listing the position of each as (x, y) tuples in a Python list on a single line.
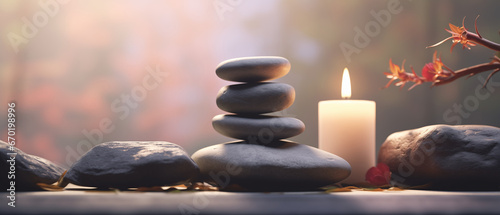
[(468, 71), (482, 41)]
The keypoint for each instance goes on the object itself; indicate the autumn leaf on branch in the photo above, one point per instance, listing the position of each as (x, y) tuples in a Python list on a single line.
[(436, 72)]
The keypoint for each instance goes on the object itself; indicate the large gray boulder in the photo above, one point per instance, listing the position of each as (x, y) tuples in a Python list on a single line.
[(445, 157)]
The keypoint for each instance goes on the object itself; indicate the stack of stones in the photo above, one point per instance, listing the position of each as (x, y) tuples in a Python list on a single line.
[(248, 101), (262, 160)]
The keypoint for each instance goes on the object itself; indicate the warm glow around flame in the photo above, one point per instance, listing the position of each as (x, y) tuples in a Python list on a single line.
[(346, 85)]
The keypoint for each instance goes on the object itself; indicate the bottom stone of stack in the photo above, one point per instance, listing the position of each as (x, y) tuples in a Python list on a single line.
[(281, 166)]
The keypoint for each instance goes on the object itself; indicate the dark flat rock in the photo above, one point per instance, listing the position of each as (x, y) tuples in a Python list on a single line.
[(463, 157), (253, 69), (281, 166), (255, 98), (29, 170), (128, 164), (261, 128)]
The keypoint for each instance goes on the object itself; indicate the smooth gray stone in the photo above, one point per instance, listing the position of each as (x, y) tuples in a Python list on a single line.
[(253, 69), (255, 98), (281, 166), (29, 170), (126, 164), (462, 157), (257, 129)]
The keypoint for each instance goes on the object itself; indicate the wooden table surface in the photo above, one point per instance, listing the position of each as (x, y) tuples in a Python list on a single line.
[(215, 202)]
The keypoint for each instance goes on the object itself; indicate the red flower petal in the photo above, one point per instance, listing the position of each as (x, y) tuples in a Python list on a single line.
[(379, 175), (428, 71), (383, 167)]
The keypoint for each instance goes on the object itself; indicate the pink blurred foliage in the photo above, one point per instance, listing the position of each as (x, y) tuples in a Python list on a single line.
[(92, 53)]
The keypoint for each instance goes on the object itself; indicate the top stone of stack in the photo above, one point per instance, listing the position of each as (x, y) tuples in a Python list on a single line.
[(253, 69)]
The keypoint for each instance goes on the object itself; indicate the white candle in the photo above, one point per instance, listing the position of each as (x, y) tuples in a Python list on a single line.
[(347, 129)]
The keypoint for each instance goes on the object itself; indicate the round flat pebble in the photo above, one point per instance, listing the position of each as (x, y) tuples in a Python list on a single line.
[(255, 98), (259, 129), (253, 69), (281, 166)]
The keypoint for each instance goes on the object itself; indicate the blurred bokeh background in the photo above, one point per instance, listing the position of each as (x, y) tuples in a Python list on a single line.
[(85, 72)]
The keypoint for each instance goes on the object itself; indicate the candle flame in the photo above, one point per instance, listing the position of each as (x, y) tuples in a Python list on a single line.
[(346, 85)]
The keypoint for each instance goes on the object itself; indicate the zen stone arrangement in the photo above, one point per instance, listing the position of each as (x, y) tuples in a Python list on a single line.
[(261, 160), (465, 157)]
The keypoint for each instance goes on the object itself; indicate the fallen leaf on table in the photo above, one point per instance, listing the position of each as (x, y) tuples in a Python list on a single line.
[(50, 187), (150, 189)]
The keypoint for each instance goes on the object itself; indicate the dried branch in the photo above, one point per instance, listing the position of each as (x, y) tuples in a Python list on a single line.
[(437, 72), (473, 70), (481, 41)]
